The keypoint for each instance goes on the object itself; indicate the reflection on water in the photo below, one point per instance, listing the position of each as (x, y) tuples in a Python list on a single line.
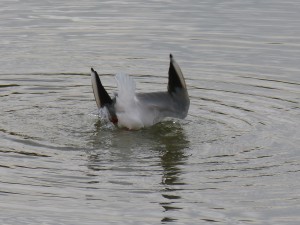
[(173, 156), (167, 139)]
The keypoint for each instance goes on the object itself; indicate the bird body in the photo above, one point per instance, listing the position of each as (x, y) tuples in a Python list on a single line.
[(137, 110)]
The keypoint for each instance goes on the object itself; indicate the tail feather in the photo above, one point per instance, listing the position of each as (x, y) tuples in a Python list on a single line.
[(127, 107)]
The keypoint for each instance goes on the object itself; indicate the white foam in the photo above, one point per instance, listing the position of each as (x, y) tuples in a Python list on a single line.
[(104, 114)]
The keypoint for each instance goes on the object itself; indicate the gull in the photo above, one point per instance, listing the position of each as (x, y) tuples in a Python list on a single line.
[(133, 110)]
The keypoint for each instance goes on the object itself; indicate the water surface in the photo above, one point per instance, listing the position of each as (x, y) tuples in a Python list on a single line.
[(233, 160)]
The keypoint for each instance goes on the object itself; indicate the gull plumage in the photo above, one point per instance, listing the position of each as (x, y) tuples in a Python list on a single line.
[(137, 110)]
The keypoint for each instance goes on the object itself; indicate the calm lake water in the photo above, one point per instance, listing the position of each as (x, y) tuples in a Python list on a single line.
[(234, 160)]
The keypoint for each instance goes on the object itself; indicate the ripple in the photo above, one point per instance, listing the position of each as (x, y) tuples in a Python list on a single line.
[(213, 146), (234, 159)]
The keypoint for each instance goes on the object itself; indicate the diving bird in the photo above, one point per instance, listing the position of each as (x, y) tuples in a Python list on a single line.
[(137, 110)]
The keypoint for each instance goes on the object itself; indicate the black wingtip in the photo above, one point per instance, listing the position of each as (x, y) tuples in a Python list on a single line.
[(176, 79), (101, 95)]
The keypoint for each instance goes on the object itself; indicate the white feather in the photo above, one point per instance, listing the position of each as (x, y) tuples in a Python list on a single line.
[(138, 110), (127, 106)]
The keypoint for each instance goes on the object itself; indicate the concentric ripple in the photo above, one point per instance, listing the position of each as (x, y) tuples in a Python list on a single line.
[(239, 136), (233, 160)]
